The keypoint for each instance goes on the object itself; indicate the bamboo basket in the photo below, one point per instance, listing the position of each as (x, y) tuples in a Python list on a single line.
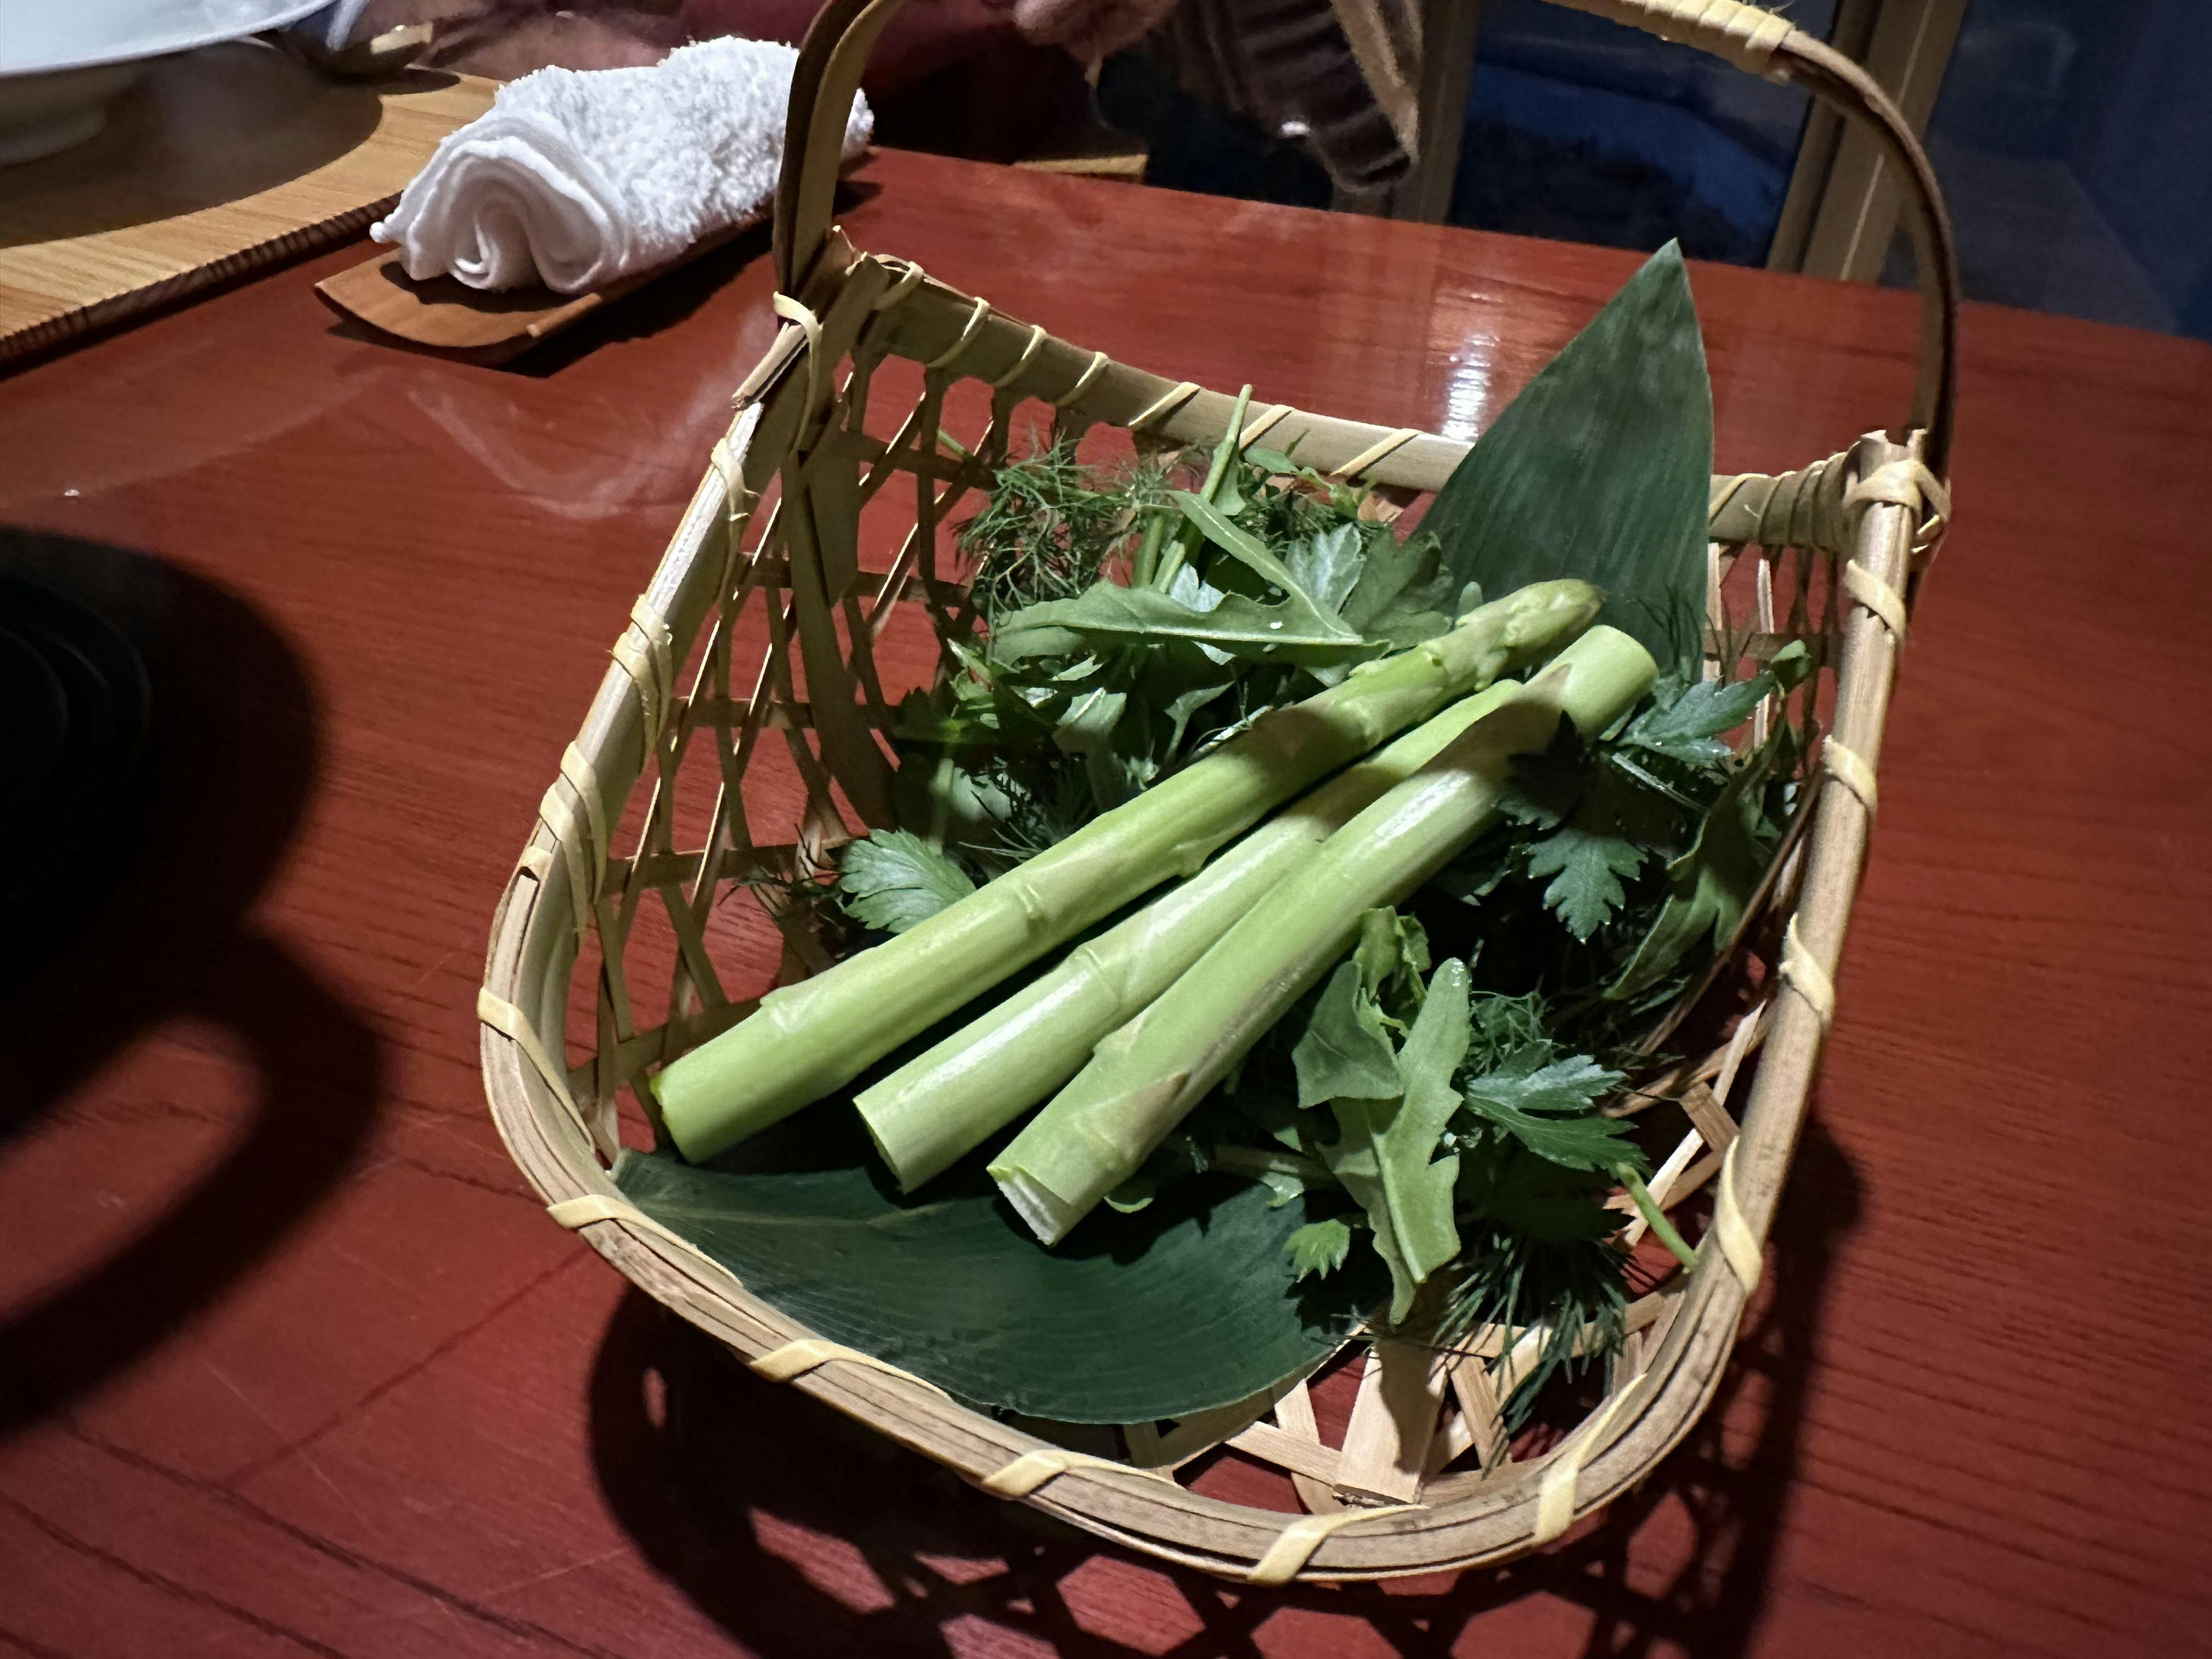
[(658, 816)]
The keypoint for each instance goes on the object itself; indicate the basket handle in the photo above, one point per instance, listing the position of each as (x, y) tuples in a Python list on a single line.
[(844, 32)]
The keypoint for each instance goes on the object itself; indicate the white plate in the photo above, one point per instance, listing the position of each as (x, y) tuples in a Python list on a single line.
[(61, 61)]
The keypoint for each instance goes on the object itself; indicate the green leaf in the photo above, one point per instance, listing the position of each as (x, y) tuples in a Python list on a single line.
[(1318, 1248), (1474, 875), (1599, 469), (1236, 625), (1710, 885), (1688, 727), (1089, 720), (1183, 1307), (1392, 955), (1404, 594), (1328, 563), (1586, 867), (1383, 1147), (1546, 1108), (1249, 550), (891, 879), (1545, 788), (1345, 1047)]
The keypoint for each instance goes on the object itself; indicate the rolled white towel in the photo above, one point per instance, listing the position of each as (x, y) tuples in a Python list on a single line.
[(573, 179)]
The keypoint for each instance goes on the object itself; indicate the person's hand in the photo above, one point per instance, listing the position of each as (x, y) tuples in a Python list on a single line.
[(1089, 29)]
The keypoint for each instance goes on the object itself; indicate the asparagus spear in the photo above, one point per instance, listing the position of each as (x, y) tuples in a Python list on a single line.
[(806, 1040), (940, 1106), (1145, 1078)]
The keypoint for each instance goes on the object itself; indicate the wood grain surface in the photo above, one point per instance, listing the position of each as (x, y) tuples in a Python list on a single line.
[(219, 161), (288, 1359)]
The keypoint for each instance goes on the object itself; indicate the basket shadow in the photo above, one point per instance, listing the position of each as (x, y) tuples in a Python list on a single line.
[(803, 1533), (141, 917)]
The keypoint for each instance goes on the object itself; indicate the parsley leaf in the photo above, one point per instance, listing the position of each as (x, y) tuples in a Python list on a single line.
[(892, 879), (1586, 868), (1319, 1248), (1546, 1108), (1688, 727)]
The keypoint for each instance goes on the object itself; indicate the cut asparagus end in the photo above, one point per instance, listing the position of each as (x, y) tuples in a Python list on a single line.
[(1048, 1214)]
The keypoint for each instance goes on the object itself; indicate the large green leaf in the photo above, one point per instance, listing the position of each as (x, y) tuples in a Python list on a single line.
[(1600, 470), (1180, 1307)]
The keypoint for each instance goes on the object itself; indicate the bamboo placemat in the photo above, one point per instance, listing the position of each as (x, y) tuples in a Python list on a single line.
[(220, 162)]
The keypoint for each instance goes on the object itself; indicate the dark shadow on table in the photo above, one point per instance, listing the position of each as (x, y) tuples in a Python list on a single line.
[(139, 915), (720, 1479)]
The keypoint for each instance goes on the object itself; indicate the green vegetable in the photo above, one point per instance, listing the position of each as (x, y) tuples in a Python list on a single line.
[(942, 1104), (1319, 1248), (1180, 1308), (1145, 1077), (892, 879), (1601, 468), (1383, 1152), (809, 1039)]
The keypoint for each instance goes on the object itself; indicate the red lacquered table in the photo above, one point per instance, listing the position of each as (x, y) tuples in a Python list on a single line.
[(291, 1360)]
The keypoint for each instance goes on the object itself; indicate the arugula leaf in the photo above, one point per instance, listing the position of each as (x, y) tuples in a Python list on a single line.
[(1587, 867), (892, 879), (1536, 1104), (1249, 550), (1384, 1148), (1345, 1049), (1329, 563), (1404, 593), (1235, 625), (1392, 955), (1319, 1248), (1553, 488)]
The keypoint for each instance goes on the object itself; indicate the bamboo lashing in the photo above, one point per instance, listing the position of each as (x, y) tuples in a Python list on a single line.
[(1806, 976), (1168, 401), (1731, 1233), (796, 1358), (1843, 762), (588, 1209), (1879, 596), (1381, 448), (1555, 1493), (1032, 1469), (1295, 1544)]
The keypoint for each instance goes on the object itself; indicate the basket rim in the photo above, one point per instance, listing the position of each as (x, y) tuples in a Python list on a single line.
[(535, 932)]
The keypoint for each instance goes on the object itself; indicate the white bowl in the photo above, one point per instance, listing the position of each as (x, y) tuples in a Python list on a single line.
[(62, 61)]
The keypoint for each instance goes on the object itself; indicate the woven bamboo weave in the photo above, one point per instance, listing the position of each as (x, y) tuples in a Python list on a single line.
[(733, 746)]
